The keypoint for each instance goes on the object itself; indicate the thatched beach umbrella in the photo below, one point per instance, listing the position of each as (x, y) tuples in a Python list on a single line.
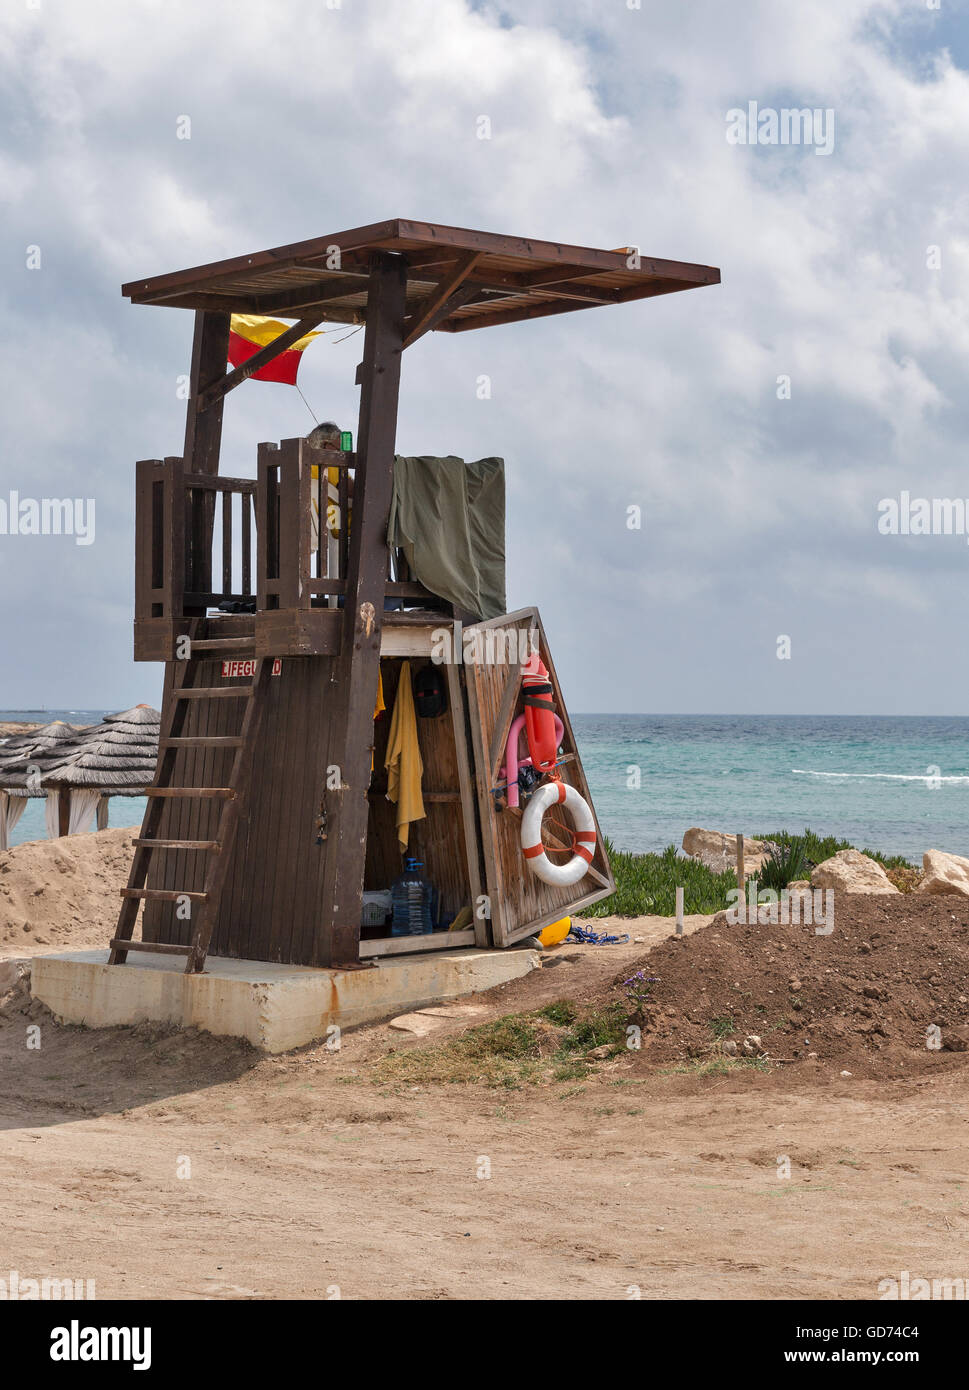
[(23, 760), (79, 774), (36, 743)]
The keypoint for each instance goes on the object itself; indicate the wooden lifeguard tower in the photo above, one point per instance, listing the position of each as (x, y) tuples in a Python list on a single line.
[(266, 822)]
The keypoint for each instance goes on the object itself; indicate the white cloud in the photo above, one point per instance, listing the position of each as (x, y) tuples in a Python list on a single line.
[(607, 128)]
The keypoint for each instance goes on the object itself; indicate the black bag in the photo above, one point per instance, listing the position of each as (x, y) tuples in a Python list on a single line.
[(430, 692)]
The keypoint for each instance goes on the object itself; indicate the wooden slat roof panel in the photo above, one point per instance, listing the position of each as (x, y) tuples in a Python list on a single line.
[(529, 278)]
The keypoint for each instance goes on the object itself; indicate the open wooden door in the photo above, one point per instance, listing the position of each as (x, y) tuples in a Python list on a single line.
[(520, 903)]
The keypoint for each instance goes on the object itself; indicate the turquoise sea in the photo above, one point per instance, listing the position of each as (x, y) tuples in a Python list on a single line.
[(896, 784), (899, 785)]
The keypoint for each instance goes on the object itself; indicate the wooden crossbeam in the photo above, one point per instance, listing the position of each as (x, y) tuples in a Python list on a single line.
[(503, 722), (164, 895), (541, 309), (437, 305), (305, 297), (561, 275), (212, 845), (120, 945)]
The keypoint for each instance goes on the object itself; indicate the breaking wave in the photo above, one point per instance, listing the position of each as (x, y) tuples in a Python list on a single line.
[(882, 776)]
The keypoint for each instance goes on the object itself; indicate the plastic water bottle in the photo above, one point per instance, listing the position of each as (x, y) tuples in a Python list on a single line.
[(412, 897)]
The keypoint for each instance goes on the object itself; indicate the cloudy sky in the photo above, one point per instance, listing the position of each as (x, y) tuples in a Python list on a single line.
[(608, 127)]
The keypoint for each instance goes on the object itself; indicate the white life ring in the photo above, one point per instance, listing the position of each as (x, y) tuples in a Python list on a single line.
[(583, 837)]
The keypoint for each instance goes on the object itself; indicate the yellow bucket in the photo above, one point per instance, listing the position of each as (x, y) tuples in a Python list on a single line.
[(556, 932)]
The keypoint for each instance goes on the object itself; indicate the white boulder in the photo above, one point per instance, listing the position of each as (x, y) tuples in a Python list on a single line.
[(944, 873), (850, 871), (719, 851)]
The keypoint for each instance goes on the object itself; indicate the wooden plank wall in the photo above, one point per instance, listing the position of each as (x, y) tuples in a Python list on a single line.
[(438, 841), (520, 901), (268, 910)]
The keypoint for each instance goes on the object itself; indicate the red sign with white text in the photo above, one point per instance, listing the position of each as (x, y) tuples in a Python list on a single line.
[(247, 668)]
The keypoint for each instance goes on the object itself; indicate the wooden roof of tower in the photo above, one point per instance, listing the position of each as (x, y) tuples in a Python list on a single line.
[(457, 279)]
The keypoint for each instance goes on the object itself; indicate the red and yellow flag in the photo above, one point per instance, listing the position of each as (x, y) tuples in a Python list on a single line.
[(250, 333)]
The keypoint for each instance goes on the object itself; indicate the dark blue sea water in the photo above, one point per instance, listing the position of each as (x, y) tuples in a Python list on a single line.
[(899, 785)]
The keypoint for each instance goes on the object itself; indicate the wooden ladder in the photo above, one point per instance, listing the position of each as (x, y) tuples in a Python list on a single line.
[(234, 797)]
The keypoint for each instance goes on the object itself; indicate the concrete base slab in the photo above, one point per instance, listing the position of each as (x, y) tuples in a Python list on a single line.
[(276, 1007)]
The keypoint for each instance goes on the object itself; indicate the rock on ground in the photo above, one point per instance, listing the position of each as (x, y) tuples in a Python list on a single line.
[(944, 873), (719, 851), (852, 872)]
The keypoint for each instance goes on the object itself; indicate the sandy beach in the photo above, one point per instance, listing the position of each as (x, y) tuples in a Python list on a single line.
[(658, 1170), (308, 1173)]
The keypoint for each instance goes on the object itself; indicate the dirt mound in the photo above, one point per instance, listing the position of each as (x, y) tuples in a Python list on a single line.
[(62, 894), (893, 969)]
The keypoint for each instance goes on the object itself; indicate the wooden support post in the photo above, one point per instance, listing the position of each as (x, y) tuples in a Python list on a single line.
[(295, 502), (63, 810), (102, 813), (679, 911), (146, 535), (175, 551), (203, 426), (740, 869), (267, 527), (338, 941)]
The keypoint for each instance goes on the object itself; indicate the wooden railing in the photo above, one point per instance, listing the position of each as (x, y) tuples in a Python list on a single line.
[(292, 570), (202, 519), (186, 538)]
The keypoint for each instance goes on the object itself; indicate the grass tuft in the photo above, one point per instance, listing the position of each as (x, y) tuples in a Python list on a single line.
[(647, 883), (547, 1044)]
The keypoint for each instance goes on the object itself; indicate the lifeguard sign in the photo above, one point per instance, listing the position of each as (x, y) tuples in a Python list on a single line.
[(235, 669), (268, 815)]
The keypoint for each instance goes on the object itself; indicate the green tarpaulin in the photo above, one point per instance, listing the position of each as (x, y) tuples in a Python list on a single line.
[(448, 517)]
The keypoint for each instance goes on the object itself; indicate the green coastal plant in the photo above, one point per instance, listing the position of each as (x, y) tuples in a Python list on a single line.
[(817, 848), (647, 883), (785, 863)]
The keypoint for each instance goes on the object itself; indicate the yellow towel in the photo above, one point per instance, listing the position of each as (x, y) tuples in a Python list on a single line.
[(379, 707), (403, 761)]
